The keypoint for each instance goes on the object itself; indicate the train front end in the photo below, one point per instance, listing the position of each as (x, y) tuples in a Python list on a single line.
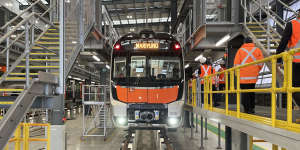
[(147, 81)]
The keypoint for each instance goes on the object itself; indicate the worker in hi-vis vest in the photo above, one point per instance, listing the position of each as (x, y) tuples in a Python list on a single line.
[(248, 75), (291, 40), (205, 70)]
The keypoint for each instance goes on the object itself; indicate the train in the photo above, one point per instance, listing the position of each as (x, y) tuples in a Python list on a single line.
[(147, 80)]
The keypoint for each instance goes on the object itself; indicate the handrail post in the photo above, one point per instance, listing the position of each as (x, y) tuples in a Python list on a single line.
[(211, 93), (245, 12), (27, 53), (268, 28), (289, 90), (226, 93), (48, 137), (260, 11), (273, 108), (238, 93), (18, 138)]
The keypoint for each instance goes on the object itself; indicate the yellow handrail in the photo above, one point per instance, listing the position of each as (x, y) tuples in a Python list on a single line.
[(25, 136), (234, 88)]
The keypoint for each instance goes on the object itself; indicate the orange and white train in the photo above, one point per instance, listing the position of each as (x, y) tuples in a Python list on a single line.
[(147, 80)]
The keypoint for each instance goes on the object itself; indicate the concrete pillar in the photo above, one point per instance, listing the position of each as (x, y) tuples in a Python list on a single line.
[(240, 140)]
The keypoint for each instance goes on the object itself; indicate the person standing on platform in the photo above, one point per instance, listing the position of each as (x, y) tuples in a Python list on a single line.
[(291, 40), (248, 75)]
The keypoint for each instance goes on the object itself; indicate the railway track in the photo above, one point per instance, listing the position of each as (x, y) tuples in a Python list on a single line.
[(147, 139)]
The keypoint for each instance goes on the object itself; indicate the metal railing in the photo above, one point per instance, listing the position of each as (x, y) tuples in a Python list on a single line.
[(96, 113), (23, 138), (232, 86), (31, 34)]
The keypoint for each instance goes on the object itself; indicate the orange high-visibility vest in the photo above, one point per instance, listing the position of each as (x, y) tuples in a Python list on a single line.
[(294, 42), (205, 71), (221, 76), (247, 54)]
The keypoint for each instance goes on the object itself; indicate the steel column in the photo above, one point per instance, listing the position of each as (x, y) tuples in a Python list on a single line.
[(201, 138), (205, 138), (228, 143), (219, 136)]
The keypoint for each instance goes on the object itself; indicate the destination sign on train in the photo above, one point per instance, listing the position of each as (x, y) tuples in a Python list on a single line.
[(146, 45)]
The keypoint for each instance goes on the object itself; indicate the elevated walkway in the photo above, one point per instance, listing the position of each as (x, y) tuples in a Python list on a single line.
[(281, 129)]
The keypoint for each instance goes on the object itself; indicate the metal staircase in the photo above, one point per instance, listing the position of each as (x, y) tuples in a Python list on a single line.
[(262, 24)]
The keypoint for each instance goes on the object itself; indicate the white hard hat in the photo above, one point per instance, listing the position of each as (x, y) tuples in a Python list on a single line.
[(202, 60)]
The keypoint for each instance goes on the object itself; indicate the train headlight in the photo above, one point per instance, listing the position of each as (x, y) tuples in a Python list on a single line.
[(173, 121), (121, 120)]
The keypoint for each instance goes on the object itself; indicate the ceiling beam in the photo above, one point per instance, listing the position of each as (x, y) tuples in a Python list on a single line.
[(138, 9), (141, 24), (111, 2)]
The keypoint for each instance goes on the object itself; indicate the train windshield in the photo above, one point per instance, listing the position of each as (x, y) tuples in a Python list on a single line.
[(165, 67), (138, 66), (120, 67), (156, 68)]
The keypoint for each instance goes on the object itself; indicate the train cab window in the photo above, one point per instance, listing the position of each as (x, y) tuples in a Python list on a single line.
[(138, 66), (120, 67), (165, 68)]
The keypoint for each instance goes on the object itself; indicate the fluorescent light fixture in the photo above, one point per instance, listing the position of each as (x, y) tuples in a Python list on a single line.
[(186, 66), (107, 66), (223, 40), (74, 42), (13, 36), (93, 82), (198, 57), (67, 1), (129, 17), (96, 58), (131, 29)]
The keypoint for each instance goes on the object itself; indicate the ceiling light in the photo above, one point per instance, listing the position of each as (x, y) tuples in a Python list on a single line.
[(132, 29), (13, 36), (74, 42), (67, 1), (96, 58), (186, 66), (129, 17), (198, 57), (223, 40), (107, 66)]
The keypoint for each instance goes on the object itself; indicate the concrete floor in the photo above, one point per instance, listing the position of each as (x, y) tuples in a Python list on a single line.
[(182, 140)]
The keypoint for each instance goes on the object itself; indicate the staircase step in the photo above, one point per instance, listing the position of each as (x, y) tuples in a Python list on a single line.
[(31, 74), (11, 90), (39, 67), (6, 103), (43, 60), (43, 54), (49, 38), (47, 43), (41, 48), (16, 79), (50, 33)]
